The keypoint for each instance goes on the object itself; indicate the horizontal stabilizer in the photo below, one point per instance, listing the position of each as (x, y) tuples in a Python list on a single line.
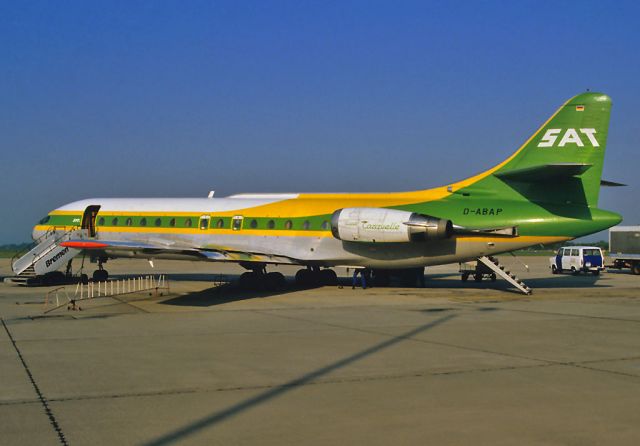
[(611, 183), (545, 172)]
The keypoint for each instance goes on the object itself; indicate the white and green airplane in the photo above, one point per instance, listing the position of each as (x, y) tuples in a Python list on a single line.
[(547, 191)]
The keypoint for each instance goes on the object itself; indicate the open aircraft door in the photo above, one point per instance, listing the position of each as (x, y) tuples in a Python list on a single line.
[(89, 219)]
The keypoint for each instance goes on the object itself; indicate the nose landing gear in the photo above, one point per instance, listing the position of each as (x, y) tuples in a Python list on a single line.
[(101, 274)]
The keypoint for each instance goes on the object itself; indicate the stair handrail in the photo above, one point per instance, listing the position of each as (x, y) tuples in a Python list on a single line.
[(52, 231)]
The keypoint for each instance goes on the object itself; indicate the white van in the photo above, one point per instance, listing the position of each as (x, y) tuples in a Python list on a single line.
[(577, 258)]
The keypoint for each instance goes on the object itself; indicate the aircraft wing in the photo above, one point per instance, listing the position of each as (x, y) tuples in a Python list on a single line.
[(216, 254)]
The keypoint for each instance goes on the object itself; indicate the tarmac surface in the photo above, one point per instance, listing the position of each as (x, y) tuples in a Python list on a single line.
[(452, 363)]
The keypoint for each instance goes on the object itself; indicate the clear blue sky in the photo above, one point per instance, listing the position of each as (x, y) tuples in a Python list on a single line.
[(178, 98)]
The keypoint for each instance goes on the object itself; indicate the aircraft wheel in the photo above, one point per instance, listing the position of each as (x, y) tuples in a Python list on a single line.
[(574, 271), (248, 281), (275, 281), (100, 275), (84, 279), (328, 277), (554, 269), (305, 278), (465, 277)]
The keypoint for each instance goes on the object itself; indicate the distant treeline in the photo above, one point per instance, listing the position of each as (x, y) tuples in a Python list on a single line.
[(11, 249)]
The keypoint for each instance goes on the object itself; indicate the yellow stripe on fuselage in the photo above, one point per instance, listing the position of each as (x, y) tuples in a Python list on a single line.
[(527, 239)]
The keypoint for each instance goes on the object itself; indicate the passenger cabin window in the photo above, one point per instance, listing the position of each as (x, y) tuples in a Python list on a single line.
[(253, 224), (188, 223), (220, 223), (129, 221), (288, 224), (325, 225), (143, 222), (114, 222), (158, 222), (204, 222), (306, 225), (101, 221), (236, 222), (271, 224), (172, 222)]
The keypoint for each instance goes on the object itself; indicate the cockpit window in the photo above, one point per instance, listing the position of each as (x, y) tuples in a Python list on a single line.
[(45, 220)]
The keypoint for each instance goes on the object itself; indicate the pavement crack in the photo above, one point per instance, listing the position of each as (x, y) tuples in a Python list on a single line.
[(43, 400)]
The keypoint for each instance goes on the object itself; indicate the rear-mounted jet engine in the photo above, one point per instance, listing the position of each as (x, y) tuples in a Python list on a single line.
[(378, 225)]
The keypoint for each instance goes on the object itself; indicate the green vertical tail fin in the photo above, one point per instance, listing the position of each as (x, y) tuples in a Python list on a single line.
[(562, 162)]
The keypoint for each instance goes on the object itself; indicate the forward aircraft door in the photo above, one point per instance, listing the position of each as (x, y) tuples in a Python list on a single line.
[(89, 219)]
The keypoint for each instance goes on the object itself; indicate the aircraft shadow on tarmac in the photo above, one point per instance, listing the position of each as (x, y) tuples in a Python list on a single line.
[(212, 419), (227, 293)]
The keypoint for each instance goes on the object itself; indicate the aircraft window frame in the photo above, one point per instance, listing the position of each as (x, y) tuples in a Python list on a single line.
[(114, 221), (44, 220), (220, 223), (101, 221), (236, 222), (205, 220), (288, 224), (158, 222), (271, 224), (306, 225), (172, 222), (188, 223), (129, 221), (143, 221), (253, 224), (325, 225)]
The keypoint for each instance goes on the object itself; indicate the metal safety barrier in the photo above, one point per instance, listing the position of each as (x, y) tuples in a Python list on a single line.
[(107, 288)]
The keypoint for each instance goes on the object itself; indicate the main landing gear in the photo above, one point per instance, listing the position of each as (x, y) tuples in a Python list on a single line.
[(313, 276), (258, 279)]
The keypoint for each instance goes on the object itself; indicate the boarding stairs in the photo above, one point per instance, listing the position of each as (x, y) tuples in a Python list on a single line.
[(493, 264), (46, 255)]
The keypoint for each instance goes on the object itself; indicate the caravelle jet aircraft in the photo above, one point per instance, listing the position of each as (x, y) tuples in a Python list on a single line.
[(547, 191)]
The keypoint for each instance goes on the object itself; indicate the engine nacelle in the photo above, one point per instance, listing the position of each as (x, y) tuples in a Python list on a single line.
[(379, 225)]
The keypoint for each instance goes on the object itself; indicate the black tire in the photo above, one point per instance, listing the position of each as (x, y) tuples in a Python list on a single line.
[(493, 277), (100, 275), (305, 278), (275, 281), (248, 281), (328, 277), (465, 277), (84, 279), (554, 269)]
